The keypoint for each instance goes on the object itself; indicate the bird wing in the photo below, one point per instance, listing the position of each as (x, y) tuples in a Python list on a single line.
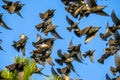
[(69, 20), (102, 13), (88, 38), (60, 53), (19, 14), (59, 61), (49, 60), (107, 77), (5, 26), (71, 42), (54, 33), (85, 30), (115, 18)]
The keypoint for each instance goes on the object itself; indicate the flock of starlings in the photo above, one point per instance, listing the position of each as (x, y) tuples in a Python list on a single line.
[(44, 46)]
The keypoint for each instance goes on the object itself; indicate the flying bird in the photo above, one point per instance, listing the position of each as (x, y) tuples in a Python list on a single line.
[(107, 34), (20, 45), (90, 54), (64, 70), (72, 24), (13, 7), (47, 15), (91, 34), (94, 8), (16, 66), (105, 55)]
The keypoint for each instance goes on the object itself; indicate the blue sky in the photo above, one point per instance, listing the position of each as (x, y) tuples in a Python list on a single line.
[(30, 13)]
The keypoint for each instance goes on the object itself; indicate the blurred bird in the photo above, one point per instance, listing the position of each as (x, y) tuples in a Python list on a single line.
[(94, 8), (40, 26), (39, 42), (85, 30), (65, 70), (13, 7), (19, 68), (52, 29), (16, 66), (2, 23), (91, 34), (49, 42), (75, 52), (107, 34), (64, 58), (90, 54), (72, 24), (20, 45), (47, 15), (10, 6), (18, 8), (115, 19), (105, 55)]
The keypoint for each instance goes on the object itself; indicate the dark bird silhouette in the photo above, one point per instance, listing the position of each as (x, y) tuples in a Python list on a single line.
[(13, 7), (85, 30), (40, 26), (2, 23), (10, 6), (75, 52), (115, 19), (64, 58), (72, 24), (49, 42), (105, 55), (18, 9), (54, 73), (65, 70), (39, 42), (16, 66), (47, 15), (94, 8), (107, 34), (20, 45), (52, 29), (90, 54), (91, 34)]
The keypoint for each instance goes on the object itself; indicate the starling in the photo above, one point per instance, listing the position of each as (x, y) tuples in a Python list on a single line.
[(20, 45)]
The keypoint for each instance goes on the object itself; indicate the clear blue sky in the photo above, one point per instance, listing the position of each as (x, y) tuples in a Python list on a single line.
[(30, 12)]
